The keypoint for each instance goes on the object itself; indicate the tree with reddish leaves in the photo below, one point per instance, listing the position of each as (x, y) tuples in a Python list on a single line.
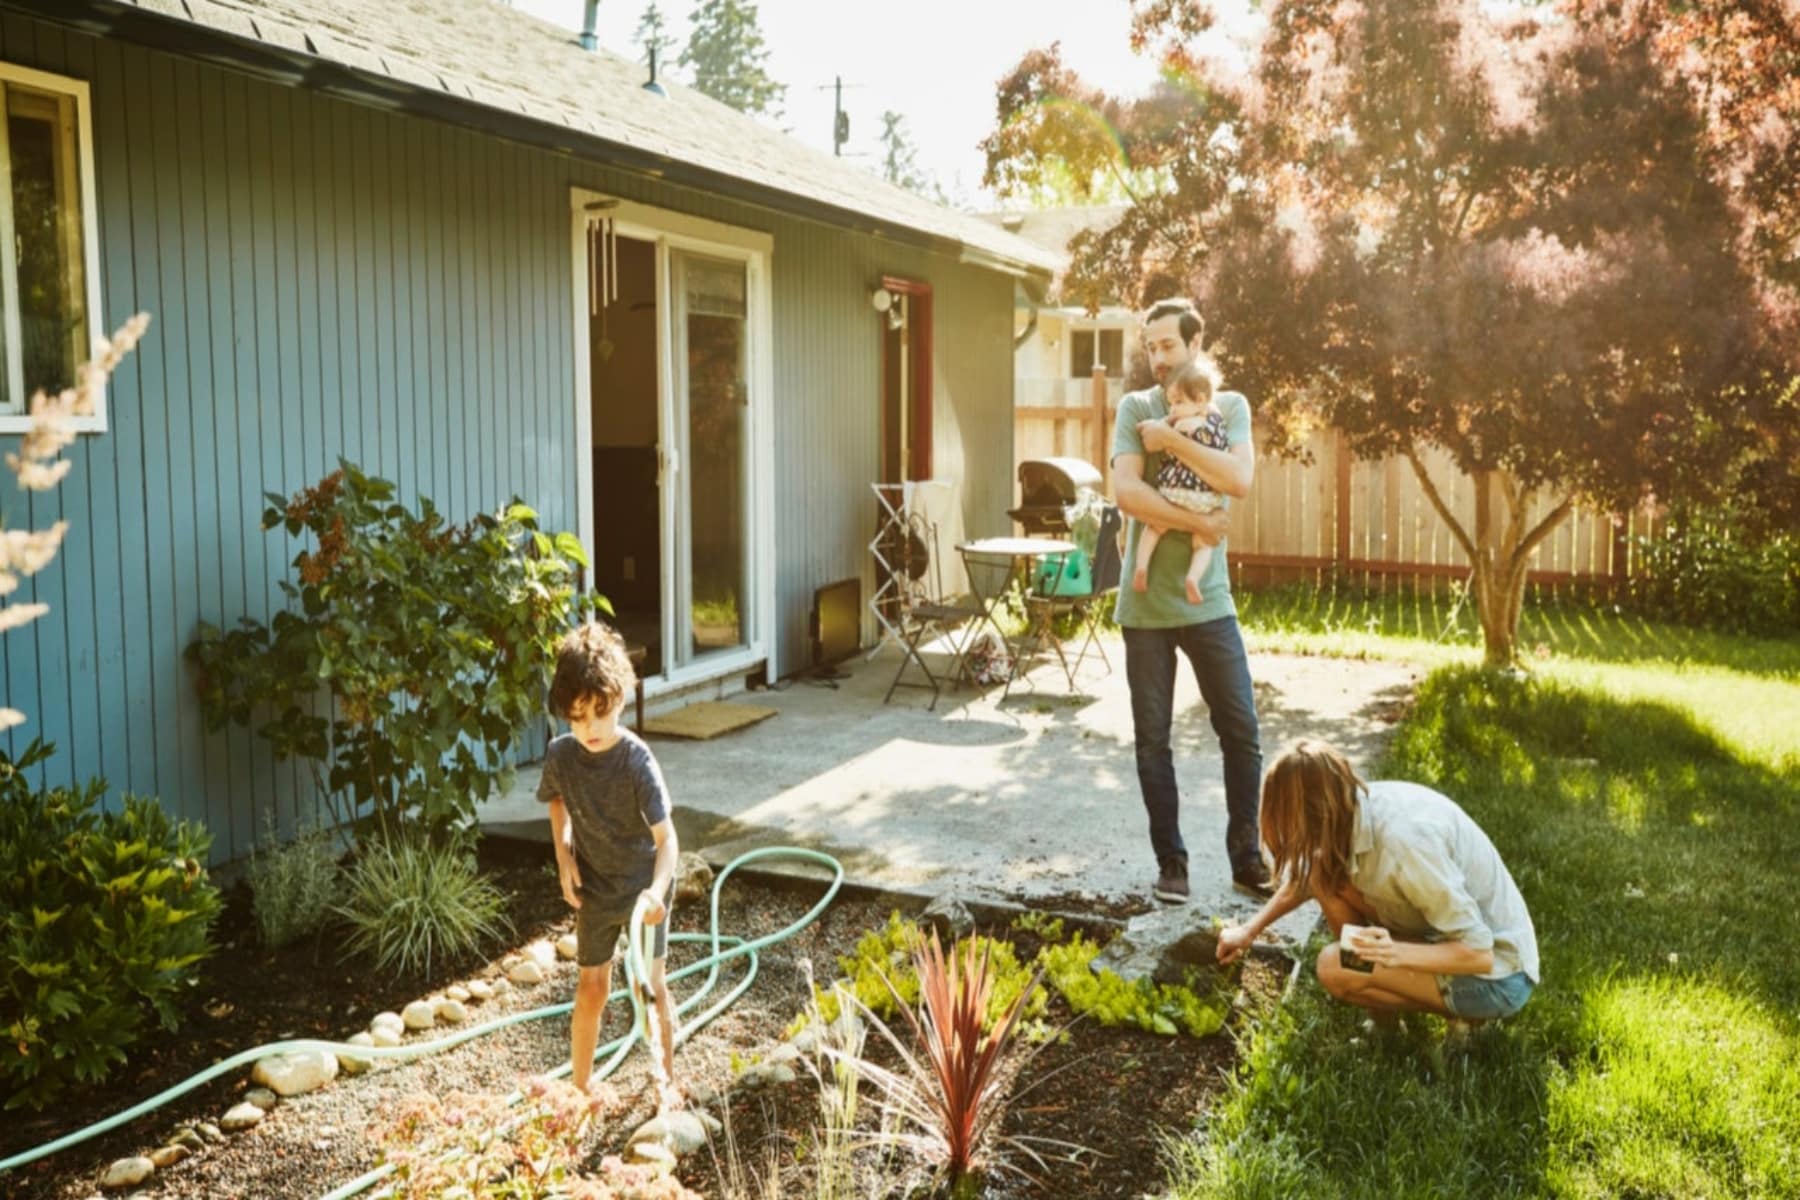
[(1561, 244)]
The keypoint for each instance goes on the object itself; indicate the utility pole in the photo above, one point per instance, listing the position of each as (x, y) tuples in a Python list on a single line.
[(840, 121)]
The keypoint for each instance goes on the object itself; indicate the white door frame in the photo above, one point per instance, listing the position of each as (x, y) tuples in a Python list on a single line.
[(666, 230)]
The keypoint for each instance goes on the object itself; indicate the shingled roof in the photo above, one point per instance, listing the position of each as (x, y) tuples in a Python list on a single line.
[(499, 63)]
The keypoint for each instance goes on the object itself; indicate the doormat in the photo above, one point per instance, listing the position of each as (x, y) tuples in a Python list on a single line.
[(707, 719)]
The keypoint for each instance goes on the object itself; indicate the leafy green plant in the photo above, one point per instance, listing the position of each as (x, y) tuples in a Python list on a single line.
[(412, 902), (412, 657), (105, 915), (479, 1147), (1162, 1008), (292, 885), (1718, 569), (879, 974)]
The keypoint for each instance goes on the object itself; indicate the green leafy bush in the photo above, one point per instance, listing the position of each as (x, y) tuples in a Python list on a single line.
[(106, 916), (414, 653), (293, 886), (412, 902), (1719, 570)]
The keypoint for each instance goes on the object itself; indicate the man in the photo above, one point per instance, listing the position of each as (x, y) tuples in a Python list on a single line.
[(1160, 620)]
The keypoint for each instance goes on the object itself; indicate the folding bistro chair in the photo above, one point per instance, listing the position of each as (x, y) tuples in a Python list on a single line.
[(921, 610), (1090, 606)]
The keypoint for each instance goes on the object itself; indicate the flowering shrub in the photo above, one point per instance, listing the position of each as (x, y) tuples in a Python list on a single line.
[(477, 1147)]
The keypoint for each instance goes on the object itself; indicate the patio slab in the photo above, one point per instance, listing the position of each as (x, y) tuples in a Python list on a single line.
[(1031, 800)]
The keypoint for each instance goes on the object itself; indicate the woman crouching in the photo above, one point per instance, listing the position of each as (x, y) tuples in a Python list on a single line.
[(1426, 916)]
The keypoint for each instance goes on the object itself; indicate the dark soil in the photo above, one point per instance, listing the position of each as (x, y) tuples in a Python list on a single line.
[(1118, 1093)]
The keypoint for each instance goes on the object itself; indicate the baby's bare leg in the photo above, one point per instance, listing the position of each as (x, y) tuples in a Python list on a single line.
[(1196, 568), (1146, 548)]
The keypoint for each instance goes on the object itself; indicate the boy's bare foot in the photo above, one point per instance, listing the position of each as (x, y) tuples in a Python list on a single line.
[(1193, 590), (1140, 580)]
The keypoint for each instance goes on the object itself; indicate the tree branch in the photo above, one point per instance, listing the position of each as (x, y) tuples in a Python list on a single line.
[(1545, 527), (1443, 510)]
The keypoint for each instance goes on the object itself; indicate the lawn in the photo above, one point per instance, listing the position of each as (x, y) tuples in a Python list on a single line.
[(1644, 787)]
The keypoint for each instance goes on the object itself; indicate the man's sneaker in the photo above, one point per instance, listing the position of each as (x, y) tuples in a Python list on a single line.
[(1254, 881), (1172, 882)]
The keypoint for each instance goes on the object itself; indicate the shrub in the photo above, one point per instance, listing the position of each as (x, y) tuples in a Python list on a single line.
[(106, 916), (431, 643), (293, 886), (1717, 569), (412, 902), (1163, 1008)]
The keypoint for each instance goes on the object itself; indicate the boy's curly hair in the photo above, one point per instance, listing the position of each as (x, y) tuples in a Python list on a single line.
[(591, 662)]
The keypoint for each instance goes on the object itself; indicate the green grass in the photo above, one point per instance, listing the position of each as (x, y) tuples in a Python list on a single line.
[(1644, 787)]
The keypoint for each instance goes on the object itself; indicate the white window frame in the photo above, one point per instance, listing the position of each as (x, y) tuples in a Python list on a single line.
[(14, 414)]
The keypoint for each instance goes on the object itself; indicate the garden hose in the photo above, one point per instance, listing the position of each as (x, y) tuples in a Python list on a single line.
[(724, 947)]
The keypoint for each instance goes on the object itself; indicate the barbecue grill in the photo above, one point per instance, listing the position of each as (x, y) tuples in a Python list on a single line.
[(1045, 486)]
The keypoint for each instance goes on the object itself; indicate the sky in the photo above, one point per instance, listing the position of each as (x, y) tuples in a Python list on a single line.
[(934, 61)]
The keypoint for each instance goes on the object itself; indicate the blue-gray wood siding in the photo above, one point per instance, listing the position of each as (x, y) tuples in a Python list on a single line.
[(328, 279)]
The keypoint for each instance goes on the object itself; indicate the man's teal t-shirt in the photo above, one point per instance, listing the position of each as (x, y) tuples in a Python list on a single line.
[(1165, 604)]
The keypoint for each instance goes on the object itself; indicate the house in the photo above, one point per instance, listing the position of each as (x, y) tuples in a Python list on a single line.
[(444, 241)]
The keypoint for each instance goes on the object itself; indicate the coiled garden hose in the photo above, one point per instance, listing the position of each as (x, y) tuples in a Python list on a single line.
[(724, 948)]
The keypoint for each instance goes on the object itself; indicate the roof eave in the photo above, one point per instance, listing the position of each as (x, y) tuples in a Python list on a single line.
[(179, 35)]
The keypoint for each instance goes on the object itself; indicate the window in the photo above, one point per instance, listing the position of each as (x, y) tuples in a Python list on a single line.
[(1085, 353), (49, 279)]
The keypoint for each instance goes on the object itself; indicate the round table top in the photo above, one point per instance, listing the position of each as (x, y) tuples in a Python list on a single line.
[(1016, 547)]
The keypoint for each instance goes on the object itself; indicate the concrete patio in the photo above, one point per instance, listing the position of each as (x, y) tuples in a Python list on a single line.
[(1033, 799)]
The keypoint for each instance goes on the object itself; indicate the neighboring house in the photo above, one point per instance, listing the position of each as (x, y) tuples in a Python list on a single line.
[(1060, 346), (443, 241)]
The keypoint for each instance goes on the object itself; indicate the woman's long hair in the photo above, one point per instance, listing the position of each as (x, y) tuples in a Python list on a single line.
[(1309, 800)]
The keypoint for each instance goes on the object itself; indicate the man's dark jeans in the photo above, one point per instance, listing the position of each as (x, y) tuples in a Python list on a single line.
[(1216, 648)]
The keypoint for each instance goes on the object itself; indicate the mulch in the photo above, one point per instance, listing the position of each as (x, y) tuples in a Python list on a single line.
[(1119, 1093)]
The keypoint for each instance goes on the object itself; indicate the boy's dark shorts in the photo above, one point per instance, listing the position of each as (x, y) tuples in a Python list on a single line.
[(597, 930)]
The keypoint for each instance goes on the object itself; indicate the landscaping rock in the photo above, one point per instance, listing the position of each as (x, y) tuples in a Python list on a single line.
[(391, 1019), (263, 1098), (807, 1040), (949, 917), (356, 1066), (452, 1012), (167, 1156), (566, 946), (127, 1172), (420, 1014), (681, 1132), (783, 1052), (295, 1072), (501, 986), (210, 1132), (762, 1075), (542, 953), (1163, 946), (385, 1036), (654, 1152), (527, 972), (242, 1116), (190, 1138), (480, 989), (693, 878), (458, 993)]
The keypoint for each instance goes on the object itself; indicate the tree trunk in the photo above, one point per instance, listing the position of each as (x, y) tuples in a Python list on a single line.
[(1499, 549)]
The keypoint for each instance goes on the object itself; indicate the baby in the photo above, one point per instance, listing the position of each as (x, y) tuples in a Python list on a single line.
[(1189, 393)]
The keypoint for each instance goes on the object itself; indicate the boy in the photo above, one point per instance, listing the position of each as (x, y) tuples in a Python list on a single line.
[(609, 823), (1428, 919)]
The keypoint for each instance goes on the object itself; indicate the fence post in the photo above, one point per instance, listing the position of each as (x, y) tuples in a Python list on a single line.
[(1102, 435), (1340, 452)]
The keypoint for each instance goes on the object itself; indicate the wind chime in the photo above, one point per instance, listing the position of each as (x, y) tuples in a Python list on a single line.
[(603, 268)]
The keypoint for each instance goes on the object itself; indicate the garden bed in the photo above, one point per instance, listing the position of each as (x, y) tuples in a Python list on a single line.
[(1118, 1092)]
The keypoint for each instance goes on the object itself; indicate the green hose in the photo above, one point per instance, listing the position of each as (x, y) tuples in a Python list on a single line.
[(723, 947)]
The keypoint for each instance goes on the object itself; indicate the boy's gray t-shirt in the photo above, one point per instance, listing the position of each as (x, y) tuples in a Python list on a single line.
[(613, 798)]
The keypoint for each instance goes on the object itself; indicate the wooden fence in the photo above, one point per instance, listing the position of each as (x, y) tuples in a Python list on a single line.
[(1334, 512)]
